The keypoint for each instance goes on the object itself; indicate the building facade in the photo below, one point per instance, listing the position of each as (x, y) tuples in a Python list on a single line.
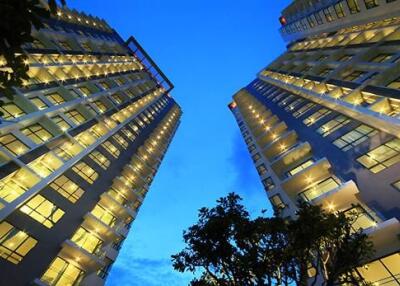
[(322, 121), (80, 144)]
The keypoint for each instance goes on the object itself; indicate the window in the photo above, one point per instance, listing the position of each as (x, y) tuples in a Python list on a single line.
[(381, 157), (16, 184), (85, 91), (268, 184), (128, 134), (12, 144), (37, 133), (380, 58), (100, 106), (87, 240), (300, 167), (319, 188), (345, 58), (87, 47), (256, 157), (121, 141), (252, 148), (39, 103), (319, 114), (61, 272), (384, 271), (104, 215), (354, 137), (117, 98), (43, 211), (86, 172), (371, 4), (339, 10), (318, 18), (67, 188), (361, 218), (10, 111), (277, 202), (100, 159), (353, 76), (333, 125), (396, 185), (104, 85), (75, 116), (394, 84), (262, 170), (305, 108), (64, 125), (55, 98), (328, 14), (111, 149), (353, 6), (325, 72), (64, 45), (14, 243)]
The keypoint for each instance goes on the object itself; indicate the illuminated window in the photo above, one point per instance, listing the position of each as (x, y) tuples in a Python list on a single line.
[(354, 137), (381, 157), (10, 111), (64, 45), (67, 150), (325, 72), (86, 172), (64, 125), (87, 240), (61, 272), (328, 14), (268, 184), (339, 10), (55, 98), (256, 157), (345, 58), (104, 85), (361, 219), (75, 116), (14, 243), (39, 103), (85, 91), (45, 164), (128, 134), (384, 271), (16, 184), (371, 4), (37, 133), (262, 170), (333, 125), (117, 98), (43, 211), (67, 188), (353, 6), (87, 47), (100, 159), (353, 76), (319, 188), (104, 215), (12, 144), (100, 106), (300, 167), (380, 58), (395, 84), (319, 114), (277, 202), (305, 108), (111, 149)]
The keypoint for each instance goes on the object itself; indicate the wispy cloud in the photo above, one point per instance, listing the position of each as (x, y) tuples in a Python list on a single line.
[(131, 271)]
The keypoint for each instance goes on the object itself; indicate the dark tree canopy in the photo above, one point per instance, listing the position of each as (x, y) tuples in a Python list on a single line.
[(229, 248), (18, 18)]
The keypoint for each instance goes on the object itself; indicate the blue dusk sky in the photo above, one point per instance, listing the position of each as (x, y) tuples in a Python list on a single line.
[(209, 49)]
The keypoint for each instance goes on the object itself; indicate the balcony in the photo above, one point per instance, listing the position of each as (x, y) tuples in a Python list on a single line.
[(319, 188), (289, 156), (122, 211), (385, 237), (339, 198), (275, 132), (286, 140), (106, 232), (319, 170), (88, 261)]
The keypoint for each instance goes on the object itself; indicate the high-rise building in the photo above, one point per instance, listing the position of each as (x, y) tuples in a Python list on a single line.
[(80, 144), (322, 121)]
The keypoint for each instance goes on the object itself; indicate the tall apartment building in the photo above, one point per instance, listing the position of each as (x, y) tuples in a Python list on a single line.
[(322, 121), (80, 144)]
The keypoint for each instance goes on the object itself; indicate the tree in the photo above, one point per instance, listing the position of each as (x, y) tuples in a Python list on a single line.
[(228, 248), (18, 18)]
